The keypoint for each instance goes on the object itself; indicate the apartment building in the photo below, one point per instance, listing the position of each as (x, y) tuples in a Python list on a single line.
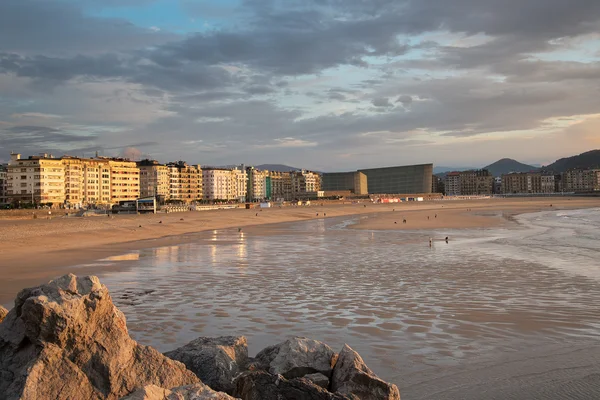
[(304, 182), (217, 184), (154, 180), (281, 185), (3, 184), (548, 183), (452, 184), (581, 180), (259, 187), (185, 182), (37, 179), (87, 181), (522, 182), (476, 183), (239, 184)]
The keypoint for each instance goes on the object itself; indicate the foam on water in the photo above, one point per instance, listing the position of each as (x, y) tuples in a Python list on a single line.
[(565, 240)]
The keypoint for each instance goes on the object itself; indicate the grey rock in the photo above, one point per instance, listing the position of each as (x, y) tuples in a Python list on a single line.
[(3, 313), (297, 357), (352, 377), (260, 385), (318, 379), (197, 391), (67, 340), (216, 361)]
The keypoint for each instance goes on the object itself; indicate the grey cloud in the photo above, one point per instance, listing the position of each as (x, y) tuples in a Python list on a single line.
[(405, 100), (381, 102), (50, 26)]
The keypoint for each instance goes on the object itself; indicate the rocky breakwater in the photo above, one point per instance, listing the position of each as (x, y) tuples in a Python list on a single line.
[(67, 340)]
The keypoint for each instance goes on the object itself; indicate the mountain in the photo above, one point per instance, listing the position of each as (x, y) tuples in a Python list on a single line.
[(277, 167), (443, 170), (507, 165), (589, 159)]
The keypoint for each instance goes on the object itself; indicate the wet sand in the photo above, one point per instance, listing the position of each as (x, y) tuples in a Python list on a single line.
[(35, 251)]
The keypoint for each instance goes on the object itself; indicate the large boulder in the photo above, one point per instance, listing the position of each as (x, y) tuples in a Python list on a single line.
[(260, 385), (352, 377), (216, 361), (67, 340), (297, 357), (148, 392), (3, 313), (197, 391)]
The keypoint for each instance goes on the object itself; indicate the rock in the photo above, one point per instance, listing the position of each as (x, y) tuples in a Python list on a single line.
[(297, 357), (351, 376), (318, 379), (67, 340), (260, 385), (3, 313), (148, 392), (216, 361), (197, 391)]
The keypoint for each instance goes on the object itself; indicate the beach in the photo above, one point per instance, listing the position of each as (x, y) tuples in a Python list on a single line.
[(36, 250), (506, 307)]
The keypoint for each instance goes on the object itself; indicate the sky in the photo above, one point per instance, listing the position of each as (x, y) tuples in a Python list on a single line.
[(328, 85)]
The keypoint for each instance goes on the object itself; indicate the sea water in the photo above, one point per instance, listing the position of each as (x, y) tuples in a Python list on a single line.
[(512, 313)]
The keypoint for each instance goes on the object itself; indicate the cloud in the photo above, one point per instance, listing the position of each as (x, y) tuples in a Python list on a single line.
[(312, 80)]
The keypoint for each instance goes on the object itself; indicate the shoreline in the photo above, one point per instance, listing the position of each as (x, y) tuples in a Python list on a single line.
[(35, 251)]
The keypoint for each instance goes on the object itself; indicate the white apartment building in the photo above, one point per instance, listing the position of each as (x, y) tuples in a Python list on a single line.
[(37, 179), (217, 184), (257, 184), (239, 182)]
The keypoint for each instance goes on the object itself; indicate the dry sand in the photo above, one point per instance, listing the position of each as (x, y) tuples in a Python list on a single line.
[(34, 251)]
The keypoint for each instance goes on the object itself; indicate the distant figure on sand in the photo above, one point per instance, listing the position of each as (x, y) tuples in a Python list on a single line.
[(446, 239), (435, 215), (430, 242), (404, 221)]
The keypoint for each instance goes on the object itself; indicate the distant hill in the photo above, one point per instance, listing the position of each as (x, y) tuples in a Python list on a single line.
[(589, 159), (508, 165), (444, 170), (277, 167)]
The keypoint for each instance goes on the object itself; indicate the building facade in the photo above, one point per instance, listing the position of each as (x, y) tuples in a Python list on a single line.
[(154, 180), (37, 179), (281, 186), (355, 182), (398, 180), (185, 182), (522, 182), (258, 185), (87, 181), (3, 184), (452, 184), (476, 183), (581, 180), (217, 184), (239, 184), (124, 180)]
